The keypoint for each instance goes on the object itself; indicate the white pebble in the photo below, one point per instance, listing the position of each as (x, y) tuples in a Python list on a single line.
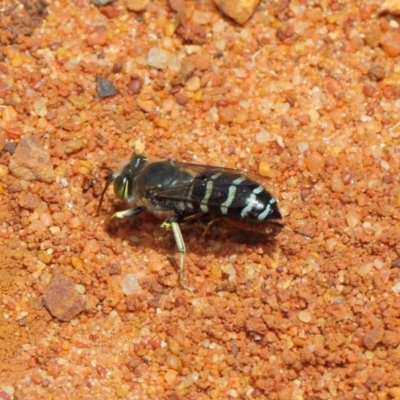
[(40, 106), (158, 58), (303, 146), (396, 288), (130, 284), (263, 136), (9, 390), (80, 289)]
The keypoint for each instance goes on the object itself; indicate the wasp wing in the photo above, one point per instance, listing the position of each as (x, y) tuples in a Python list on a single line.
[(210, 186)]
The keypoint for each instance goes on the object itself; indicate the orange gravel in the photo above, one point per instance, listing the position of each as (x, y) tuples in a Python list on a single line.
[(307, 96)]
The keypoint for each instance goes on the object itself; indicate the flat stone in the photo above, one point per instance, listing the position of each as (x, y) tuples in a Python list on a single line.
[(105, 88), (239, 10), (31, 161), (62, 299), (138, 5)]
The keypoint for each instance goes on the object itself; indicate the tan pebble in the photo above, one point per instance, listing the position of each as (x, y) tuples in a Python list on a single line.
[(239, 10), (44, 257), (193, 84), (155, 266), (97, 38), (76, 262), (73, 145), (75, 222), (46, 219), (40, 106), (394, 391), (216, 272), (264, 169), (227, 114), (285, 393), (174, 346), (352, 218), (170, 376), (337, 184), (174, 362), (122, 390), (304, 316), (315, 162), (77, 101), (146, 105), (37, 378), (9, 114), (3, 171), (330, 245), (139, 147), (138, 5), (54, 230), (364, 269), (390, 42)]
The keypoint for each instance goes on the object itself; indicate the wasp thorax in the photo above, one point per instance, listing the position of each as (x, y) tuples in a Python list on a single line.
[(123, 187)]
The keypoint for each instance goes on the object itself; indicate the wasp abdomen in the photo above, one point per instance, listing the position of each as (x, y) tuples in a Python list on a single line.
[(233, 195)]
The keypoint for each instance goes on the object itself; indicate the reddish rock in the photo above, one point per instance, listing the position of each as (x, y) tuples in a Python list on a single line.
[(373, 337), (31, 161), (62, 299)]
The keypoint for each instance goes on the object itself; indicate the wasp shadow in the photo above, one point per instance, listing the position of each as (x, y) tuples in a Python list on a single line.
[(221, 236)]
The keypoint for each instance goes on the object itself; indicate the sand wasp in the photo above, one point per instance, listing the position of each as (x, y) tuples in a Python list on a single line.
[(179, 192)]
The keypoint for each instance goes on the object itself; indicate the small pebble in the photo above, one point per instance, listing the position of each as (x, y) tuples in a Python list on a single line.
[(174, 362), (3, 171), (304, 316), (31, 161), (264, 169), (170, 376), (138, 5), (62, 299), (40, 106), (394, 392), (130, 284), (9, 114), (263, 136), (352, 218), (315, 162), (158, 58), (105, 88), (239, 10), (193, 84), (390, 42), (376, 73)]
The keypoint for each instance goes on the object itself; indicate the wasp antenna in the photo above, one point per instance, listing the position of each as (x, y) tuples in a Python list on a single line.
[(110, 179), (288, 228), (298, 232)]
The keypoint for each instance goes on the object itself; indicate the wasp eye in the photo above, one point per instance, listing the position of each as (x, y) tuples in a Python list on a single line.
[(122, 187)]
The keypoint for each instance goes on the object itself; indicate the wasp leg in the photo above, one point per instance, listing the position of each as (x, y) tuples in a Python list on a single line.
[(172, 223), (131, 212), (208, 226)]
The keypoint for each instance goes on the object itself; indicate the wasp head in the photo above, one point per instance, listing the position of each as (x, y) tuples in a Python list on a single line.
[(124, 180)]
